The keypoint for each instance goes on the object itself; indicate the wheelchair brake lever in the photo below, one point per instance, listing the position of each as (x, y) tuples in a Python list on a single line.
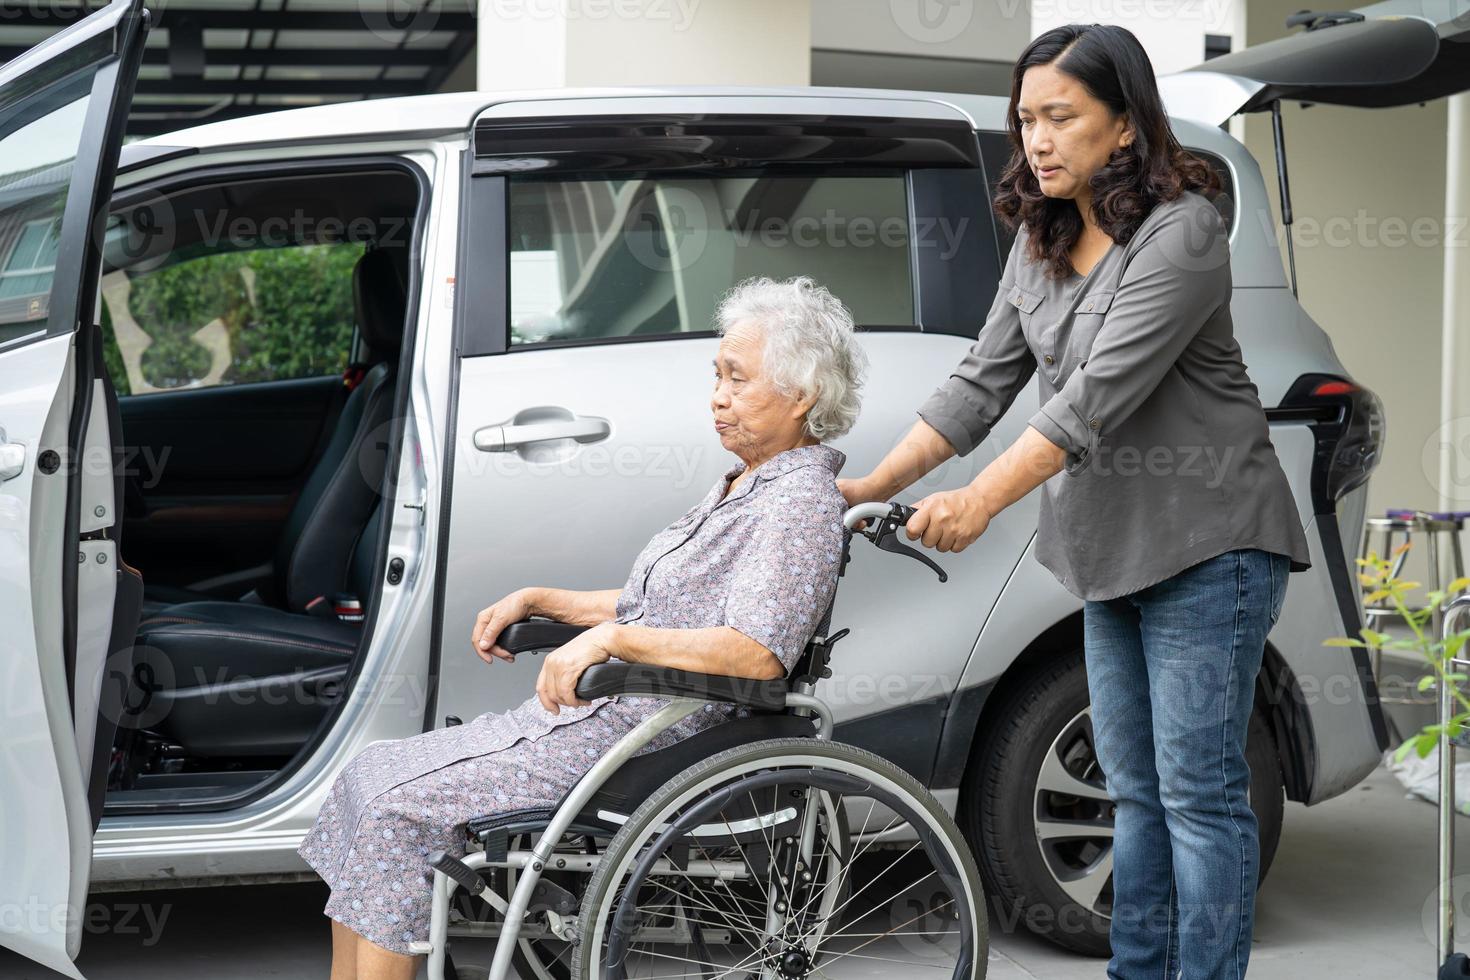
[(885, 536)]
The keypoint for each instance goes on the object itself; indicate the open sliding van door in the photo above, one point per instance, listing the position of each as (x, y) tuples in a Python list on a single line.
[(64, 594)]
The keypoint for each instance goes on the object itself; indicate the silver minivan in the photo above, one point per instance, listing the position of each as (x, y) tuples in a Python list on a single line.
[(287, 399)]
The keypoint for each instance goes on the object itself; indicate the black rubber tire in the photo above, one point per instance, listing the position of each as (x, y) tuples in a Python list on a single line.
[(633, 833), (997, 803)]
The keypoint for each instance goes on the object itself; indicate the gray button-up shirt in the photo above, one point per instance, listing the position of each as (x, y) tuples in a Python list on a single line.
[(1169, 457)]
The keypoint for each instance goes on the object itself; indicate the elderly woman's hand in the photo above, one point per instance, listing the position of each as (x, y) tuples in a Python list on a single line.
[(563, 667), (495, 618)]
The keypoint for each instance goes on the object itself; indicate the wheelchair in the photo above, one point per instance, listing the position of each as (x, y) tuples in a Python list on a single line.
[(757, 848)]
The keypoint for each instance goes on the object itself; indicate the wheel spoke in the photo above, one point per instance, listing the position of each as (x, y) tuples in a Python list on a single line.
[(1050, 830), (1087, 885), (1055, 778), (726, 927)]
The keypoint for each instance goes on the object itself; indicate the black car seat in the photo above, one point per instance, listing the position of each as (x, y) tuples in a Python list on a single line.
[(236, 679), (342, 489), (232, 678)]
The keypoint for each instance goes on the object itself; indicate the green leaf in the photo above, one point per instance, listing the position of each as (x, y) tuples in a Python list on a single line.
[(1426, 682), (1342, 641)]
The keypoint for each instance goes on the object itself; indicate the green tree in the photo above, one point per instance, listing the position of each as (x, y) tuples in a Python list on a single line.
[(300, 324)]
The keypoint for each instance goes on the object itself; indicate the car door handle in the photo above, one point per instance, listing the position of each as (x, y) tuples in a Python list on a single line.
[(12, 458), (505, 438)]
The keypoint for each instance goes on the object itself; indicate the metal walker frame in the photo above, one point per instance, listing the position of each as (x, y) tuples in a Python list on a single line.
[(1451, 963)]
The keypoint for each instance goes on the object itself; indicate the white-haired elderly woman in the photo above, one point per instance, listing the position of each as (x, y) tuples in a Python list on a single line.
[(736, 585)]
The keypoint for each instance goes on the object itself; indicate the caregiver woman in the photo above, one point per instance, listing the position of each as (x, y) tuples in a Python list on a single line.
[(1169, 513)]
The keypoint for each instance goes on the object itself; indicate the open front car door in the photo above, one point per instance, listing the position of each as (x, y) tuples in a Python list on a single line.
[(65, 597)]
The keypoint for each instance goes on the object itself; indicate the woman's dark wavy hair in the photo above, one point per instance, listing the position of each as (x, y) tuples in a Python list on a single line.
[(1114, 68)]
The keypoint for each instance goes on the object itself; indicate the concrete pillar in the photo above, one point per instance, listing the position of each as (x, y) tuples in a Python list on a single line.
[(1171, 31), (575, 43), (1452, 442)]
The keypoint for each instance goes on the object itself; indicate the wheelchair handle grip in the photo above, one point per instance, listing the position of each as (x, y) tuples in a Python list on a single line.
[(873, 511), (884, 521)]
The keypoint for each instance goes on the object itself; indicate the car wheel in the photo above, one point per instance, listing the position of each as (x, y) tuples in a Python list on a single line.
[(1036, 810)]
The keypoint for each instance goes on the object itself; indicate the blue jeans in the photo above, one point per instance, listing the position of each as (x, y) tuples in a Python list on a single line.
[(1171, 673)]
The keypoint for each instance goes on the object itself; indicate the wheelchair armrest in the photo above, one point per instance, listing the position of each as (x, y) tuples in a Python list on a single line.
[(605, 680), (537, 635)]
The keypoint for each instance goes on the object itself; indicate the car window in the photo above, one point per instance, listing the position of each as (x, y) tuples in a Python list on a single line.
[(200, 317), (646, 256), (37, 149)]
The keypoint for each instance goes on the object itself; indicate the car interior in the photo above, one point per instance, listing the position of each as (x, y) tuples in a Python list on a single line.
[(254, 327)]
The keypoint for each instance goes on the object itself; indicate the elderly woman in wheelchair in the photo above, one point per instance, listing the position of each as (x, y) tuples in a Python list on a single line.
[(669, 802)]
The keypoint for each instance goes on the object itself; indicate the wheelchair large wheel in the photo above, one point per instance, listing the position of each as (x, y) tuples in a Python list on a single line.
[(785, 858)]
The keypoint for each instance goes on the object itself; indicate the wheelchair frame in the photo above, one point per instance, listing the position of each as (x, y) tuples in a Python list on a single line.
[(680, 690), (530, 864)]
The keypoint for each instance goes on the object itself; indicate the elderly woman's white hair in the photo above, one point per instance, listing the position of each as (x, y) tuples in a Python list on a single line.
[(810, 346)]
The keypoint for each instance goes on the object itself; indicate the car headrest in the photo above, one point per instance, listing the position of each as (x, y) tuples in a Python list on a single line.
[(379, 300)]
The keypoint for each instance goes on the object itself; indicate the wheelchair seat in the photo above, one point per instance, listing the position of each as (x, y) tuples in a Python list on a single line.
[(638, 778)]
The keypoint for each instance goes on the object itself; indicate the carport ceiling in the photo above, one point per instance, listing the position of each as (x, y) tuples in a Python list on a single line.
[(220, 59)]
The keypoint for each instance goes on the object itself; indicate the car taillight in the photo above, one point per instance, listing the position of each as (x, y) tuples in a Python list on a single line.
[(1348, 423)]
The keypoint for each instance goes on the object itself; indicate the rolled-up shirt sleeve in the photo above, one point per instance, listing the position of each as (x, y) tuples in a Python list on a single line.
[(1174, 282), (786, 573), (992, 373)]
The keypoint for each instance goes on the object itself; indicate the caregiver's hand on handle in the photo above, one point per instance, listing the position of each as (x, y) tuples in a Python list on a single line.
[(951, 520)]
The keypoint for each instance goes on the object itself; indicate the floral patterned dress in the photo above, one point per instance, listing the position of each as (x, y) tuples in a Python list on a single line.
[(764, 560)]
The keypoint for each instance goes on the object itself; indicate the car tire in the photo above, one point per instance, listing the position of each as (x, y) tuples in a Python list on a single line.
[(1045, 716)]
